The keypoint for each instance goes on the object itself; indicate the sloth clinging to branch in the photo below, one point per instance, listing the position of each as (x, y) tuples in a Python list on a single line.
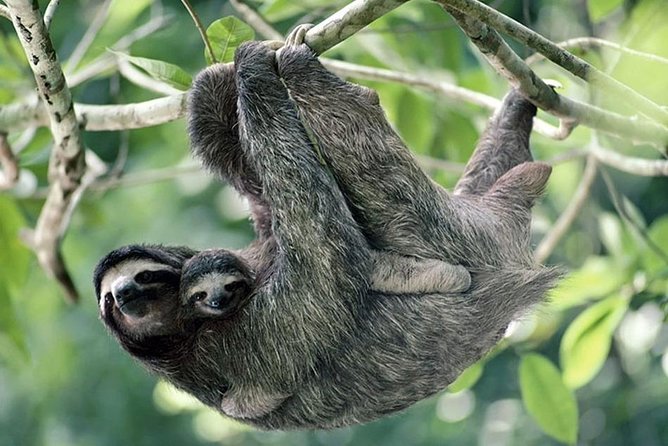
[(312, 345)]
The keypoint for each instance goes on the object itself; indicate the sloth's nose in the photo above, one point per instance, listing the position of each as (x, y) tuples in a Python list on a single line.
[(125, 292)]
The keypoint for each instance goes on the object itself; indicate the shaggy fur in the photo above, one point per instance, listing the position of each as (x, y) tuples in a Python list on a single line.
[(315, 346)]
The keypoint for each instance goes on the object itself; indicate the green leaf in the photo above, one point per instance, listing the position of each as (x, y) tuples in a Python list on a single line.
[(611, 232), (658, 233), (597, 278), (467, 378), (225, 36), (547, 399), (14, 256), (162, 71), (15, 260), (13, 349), (598, 9), (586, 342)]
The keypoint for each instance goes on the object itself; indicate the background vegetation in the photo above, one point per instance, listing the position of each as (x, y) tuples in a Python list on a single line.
[(592, 365)]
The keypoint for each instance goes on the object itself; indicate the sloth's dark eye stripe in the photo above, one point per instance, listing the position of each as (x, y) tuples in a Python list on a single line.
[(160, 276)]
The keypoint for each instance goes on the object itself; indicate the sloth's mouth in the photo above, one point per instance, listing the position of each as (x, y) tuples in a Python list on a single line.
[(133, 308)]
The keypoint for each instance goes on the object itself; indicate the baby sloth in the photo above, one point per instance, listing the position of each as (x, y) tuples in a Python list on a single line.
[(218, 282)]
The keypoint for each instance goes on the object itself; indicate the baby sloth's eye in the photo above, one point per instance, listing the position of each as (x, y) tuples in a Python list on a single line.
[(144, 277), (199, 296)]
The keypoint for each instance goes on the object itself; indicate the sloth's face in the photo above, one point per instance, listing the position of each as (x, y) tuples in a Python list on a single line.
[(215, 283), (140, 298)]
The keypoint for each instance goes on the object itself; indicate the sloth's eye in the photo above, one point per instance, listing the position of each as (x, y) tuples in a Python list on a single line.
[(234, 286), (108, 297), (199, 296), (144, 277)]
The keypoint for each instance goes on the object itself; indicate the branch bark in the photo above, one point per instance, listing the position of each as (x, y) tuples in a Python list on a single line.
[(67, 163), (510, 65), (347, 21), (566, 219), (577, 66), (9, 174)]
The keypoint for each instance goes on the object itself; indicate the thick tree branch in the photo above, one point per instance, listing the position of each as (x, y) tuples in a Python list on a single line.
[(347, 21), (507, 63), (67, 164), (99, 117), (577, 66)]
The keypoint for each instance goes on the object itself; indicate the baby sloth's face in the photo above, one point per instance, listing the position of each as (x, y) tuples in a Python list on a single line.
[(215, 283)]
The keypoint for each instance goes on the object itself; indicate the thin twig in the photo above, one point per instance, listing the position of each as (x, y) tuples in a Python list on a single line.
[(568, 61), (200, 28), (84, 44), (551, 239), (430, 162), (567, 156), (255, 20), (107, 61), (50, 12), (145, 177), (9, 175), (140, 79), (584, 43), (636, 166), (22, 142), (623, 212), (122, 155)]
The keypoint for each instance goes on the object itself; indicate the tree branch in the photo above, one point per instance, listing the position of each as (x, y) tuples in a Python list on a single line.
[(507, 63), (636, 166), (346, 69), (50, 12), (575, 65), (99, 117), (84, 44), (584, 43), (9, 174), (4, 12), (256, 21), (66, 164), (346, 22)]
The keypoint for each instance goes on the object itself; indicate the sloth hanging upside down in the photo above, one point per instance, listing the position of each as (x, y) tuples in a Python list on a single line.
[(368, 288)]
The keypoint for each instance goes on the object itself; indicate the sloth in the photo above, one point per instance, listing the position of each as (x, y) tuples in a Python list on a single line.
[(310, 344), (138, 285)]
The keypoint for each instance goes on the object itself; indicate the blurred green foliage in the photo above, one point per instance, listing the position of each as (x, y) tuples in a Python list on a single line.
[(64, 381)]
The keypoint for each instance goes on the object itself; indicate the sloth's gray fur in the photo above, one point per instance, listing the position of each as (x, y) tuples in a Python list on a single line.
[(316, 347)]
